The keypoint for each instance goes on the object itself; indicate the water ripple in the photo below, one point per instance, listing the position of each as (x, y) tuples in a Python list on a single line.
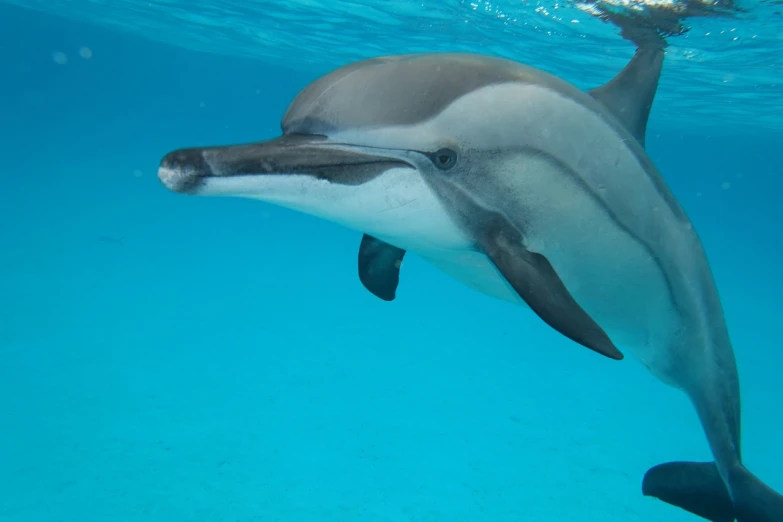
[(728, 69)]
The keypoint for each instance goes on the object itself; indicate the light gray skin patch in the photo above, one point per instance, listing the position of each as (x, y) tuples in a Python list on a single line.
[(522, 187)]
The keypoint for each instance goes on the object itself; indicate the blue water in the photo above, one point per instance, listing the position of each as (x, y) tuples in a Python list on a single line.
[(170, 358)]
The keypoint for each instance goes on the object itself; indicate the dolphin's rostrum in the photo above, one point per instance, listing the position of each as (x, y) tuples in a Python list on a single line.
[(525, 188)]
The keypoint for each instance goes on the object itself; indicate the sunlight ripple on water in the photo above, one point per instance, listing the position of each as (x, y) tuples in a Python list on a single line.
[(728, 67)]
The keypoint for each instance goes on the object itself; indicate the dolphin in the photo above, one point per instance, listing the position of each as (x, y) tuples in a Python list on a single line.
[(526, 188)]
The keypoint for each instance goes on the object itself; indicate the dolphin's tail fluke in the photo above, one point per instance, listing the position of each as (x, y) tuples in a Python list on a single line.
[(697, 487)]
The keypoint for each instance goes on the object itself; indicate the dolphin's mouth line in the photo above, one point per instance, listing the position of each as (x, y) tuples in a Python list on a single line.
[(310, 169)]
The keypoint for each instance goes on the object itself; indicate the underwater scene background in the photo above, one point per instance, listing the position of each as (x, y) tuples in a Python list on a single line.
[(188, 359)]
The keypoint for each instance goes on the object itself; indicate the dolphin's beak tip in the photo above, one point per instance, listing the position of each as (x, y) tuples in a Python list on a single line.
[(183, 170)]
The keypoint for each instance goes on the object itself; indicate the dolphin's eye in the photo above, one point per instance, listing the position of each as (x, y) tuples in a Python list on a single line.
[(444, 159)]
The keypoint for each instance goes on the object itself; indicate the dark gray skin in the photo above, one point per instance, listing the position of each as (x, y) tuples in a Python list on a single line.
[(394, 122)]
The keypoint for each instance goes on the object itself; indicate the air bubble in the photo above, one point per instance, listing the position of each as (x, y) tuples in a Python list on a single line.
[(59, 58)]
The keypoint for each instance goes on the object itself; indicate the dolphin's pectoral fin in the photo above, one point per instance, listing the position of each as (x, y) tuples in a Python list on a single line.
[(379, 267), (696, 487), (537, 283)]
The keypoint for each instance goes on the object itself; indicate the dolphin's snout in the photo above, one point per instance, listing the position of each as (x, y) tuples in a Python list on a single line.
[(183, 170)]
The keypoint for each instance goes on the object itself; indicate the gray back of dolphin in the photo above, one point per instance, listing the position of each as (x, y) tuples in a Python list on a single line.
[(523, 187)]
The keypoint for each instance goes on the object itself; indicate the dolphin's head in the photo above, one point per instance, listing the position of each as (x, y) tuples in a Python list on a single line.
[(367, 146)]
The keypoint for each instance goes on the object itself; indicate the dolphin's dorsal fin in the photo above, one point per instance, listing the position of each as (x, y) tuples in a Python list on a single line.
[(630, 94)]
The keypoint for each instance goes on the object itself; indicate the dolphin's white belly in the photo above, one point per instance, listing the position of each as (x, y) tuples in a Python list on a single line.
[(475, 270)]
